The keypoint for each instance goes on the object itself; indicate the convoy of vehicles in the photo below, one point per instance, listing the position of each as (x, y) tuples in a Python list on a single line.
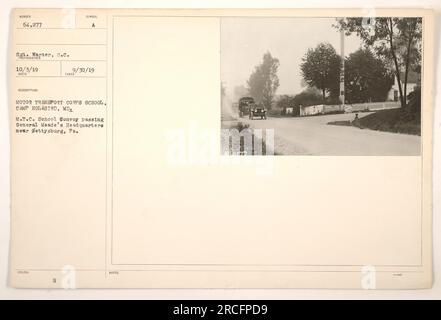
[(248, 107)]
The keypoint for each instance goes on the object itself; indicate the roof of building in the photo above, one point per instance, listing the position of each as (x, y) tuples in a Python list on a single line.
[(412, 77)]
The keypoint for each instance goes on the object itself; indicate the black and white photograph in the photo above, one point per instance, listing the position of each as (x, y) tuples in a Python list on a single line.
[(321, 86)]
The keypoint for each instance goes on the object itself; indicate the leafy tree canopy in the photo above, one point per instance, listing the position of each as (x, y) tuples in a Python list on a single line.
[(396, 39), (367, 78), (263, 82), (320, 68)]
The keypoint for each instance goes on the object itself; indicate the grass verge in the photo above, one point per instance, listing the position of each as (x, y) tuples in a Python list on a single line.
[(392, 120)]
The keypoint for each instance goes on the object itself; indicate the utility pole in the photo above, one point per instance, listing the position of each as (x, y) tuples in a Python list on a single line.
[(342, 69)]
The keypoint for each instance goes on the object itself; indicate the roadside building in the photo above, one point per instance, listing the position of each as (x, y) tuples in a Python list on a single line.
[(289, 110), (413, 80)]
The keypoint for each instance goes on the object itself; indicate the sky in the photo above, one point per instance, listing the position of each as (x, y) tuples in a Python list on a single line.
[(245, 40)]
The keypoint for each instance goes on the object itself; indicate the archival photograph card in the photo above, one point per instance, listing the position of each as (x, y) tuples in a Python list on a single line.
[(221, 148)]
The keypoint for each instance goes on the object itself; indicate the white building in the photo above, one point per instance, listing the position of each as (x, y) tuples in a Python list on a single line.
[(413, 80), (289, 110)]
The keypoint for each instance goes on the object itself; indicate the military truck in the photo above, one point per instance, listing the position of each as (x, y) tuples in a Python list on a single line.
[(245, 104)]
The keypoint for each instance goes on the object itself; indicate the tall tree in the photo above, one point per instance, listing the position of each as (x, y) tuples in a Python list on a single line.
[(396, 39), (263, 82), (320, 68), (366, 77)]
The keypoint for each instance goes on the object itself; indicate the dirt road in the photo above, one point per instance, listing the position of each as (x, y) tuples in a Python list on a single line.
[(313, 136)]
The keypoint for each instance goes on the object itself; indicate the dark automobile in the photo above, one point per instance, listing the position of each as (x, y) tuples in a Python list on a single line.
[(258, 111), (245, 105)]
